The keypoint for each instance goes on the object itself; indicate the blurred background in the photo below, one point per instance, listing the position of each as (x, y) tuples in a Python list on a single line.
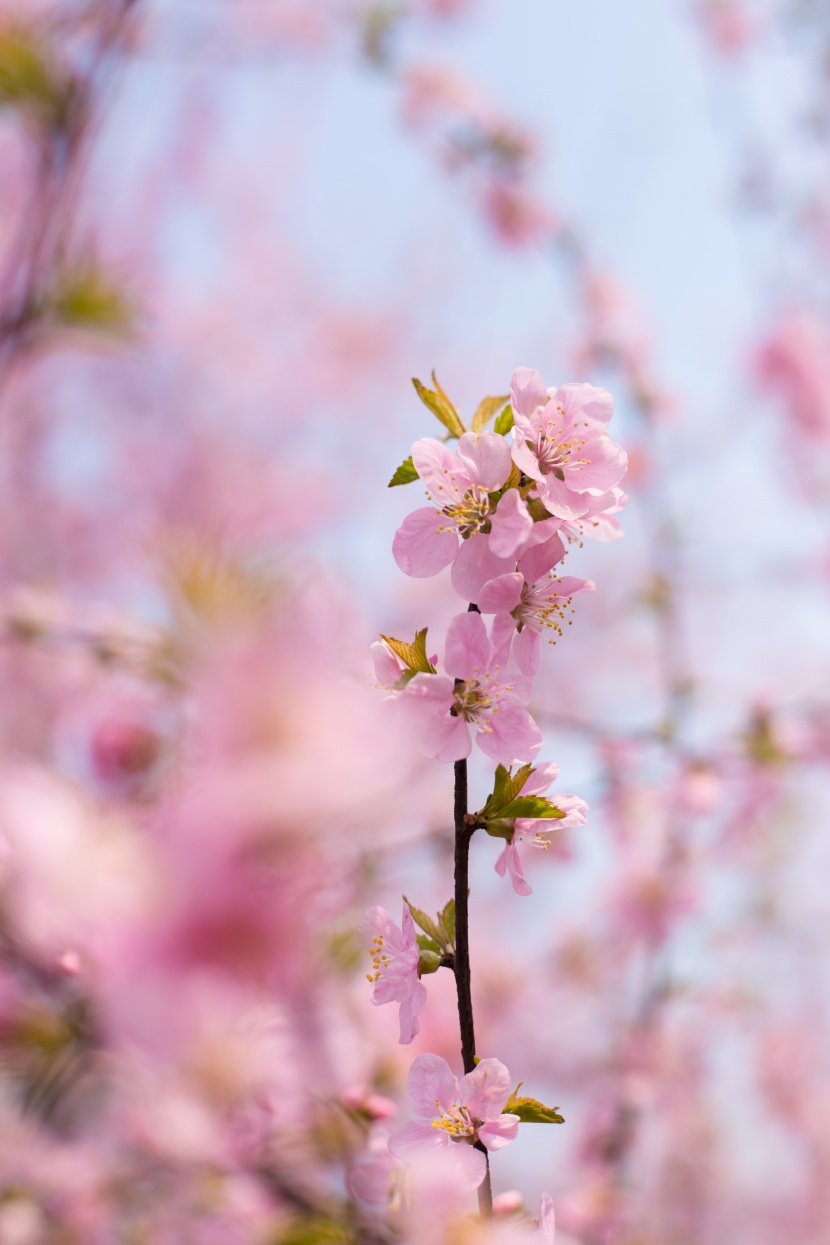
[(230, 235)]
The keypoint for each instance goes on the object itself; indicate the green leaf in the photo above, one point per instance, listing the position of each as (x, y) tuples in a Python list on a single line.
[(506, 787), (441, 407), (531, 1111), (426, 944), (485, 411), (534, 806), (404, 474), (425, 922), (447, 922), (414, 655), (504, 421)]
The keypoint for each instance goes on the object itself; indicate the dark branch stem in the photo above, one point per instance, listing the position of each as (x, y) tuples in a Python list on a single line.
[(463, 834)]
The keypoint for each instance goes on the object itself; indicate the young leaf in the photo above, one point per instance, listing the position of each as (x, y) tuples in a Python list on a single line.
[(440, 406), (425, 922), (404, 474), (426, 944), (504, 421), (414, 655), (531, 1111), (506, 787), (533, 806), (485, 411), (447, 922)]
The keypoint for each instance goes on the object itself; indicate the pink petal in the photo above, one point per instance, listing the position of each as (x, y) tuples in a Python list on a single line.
[(501, 637), (475, 565), (387, 667), (527, 649), (585, 402), (560, 499), (541, 558), (606, 466), (445, 476), (501, 595), (486, 1089), (542, 777), (467, 651), (527, 390), (416, 1137), (542, 531), (499, 1133), (452, 743), (431, 1080), (547, 1220), (486, 458), (421, 548), (509, 861), (513, 738), (411, 1008), (510, 525)]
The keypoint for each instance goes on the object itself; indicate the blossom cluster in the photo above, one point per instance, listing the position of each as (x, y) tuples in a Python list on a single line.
[(501, 514)]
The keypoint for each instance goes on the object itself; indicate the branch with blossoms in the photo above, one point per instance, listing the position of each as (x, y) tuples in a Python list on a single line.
[(501, 514)]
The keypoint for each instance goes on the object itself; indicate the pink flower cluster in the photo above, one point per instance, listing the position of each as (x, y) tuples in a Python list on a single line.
[(497, 516)]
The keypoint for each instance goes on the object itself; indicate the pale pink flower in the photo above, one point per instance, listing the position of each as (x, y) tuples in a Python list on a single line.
[(559, 440), (459, 485), (456, 1112), (528, 602), (395, 955), (476, 695), (536, 832)]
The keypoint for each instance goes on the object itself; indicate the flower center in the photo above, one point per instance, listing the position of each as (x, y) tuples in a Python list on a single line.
[(555, 454), (380, 960), (471, 513), (541, 609), (455, 1120)]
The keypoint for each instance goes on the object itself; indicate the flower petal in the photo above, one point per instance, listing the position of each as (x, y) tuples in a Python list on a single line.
[(422, 545), (475, 565), (499, 1133), (467, 651), (431, 1085), (486, 458), (445, 477), (486, 1089), (501, 595), (511, 525)]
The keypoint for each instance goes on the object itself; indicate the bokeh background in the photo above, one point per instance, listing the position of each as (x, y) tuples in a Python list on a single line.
[(230, 234)]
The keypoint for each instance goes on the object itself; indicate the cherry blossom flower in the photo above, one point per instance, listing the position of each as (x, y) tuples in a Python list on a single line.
[(528, 602), (459, 485), (559, 440), (395, 955), (536, 832), (476, 695), (455, 1112)]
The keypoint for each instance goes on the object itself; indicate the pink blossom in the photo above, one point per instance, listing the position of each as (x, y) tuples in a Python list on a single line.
[(529, 601), (459, 485), (475, 695), (395, 955), (536, 832), (559, 440), (454, 1111)]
